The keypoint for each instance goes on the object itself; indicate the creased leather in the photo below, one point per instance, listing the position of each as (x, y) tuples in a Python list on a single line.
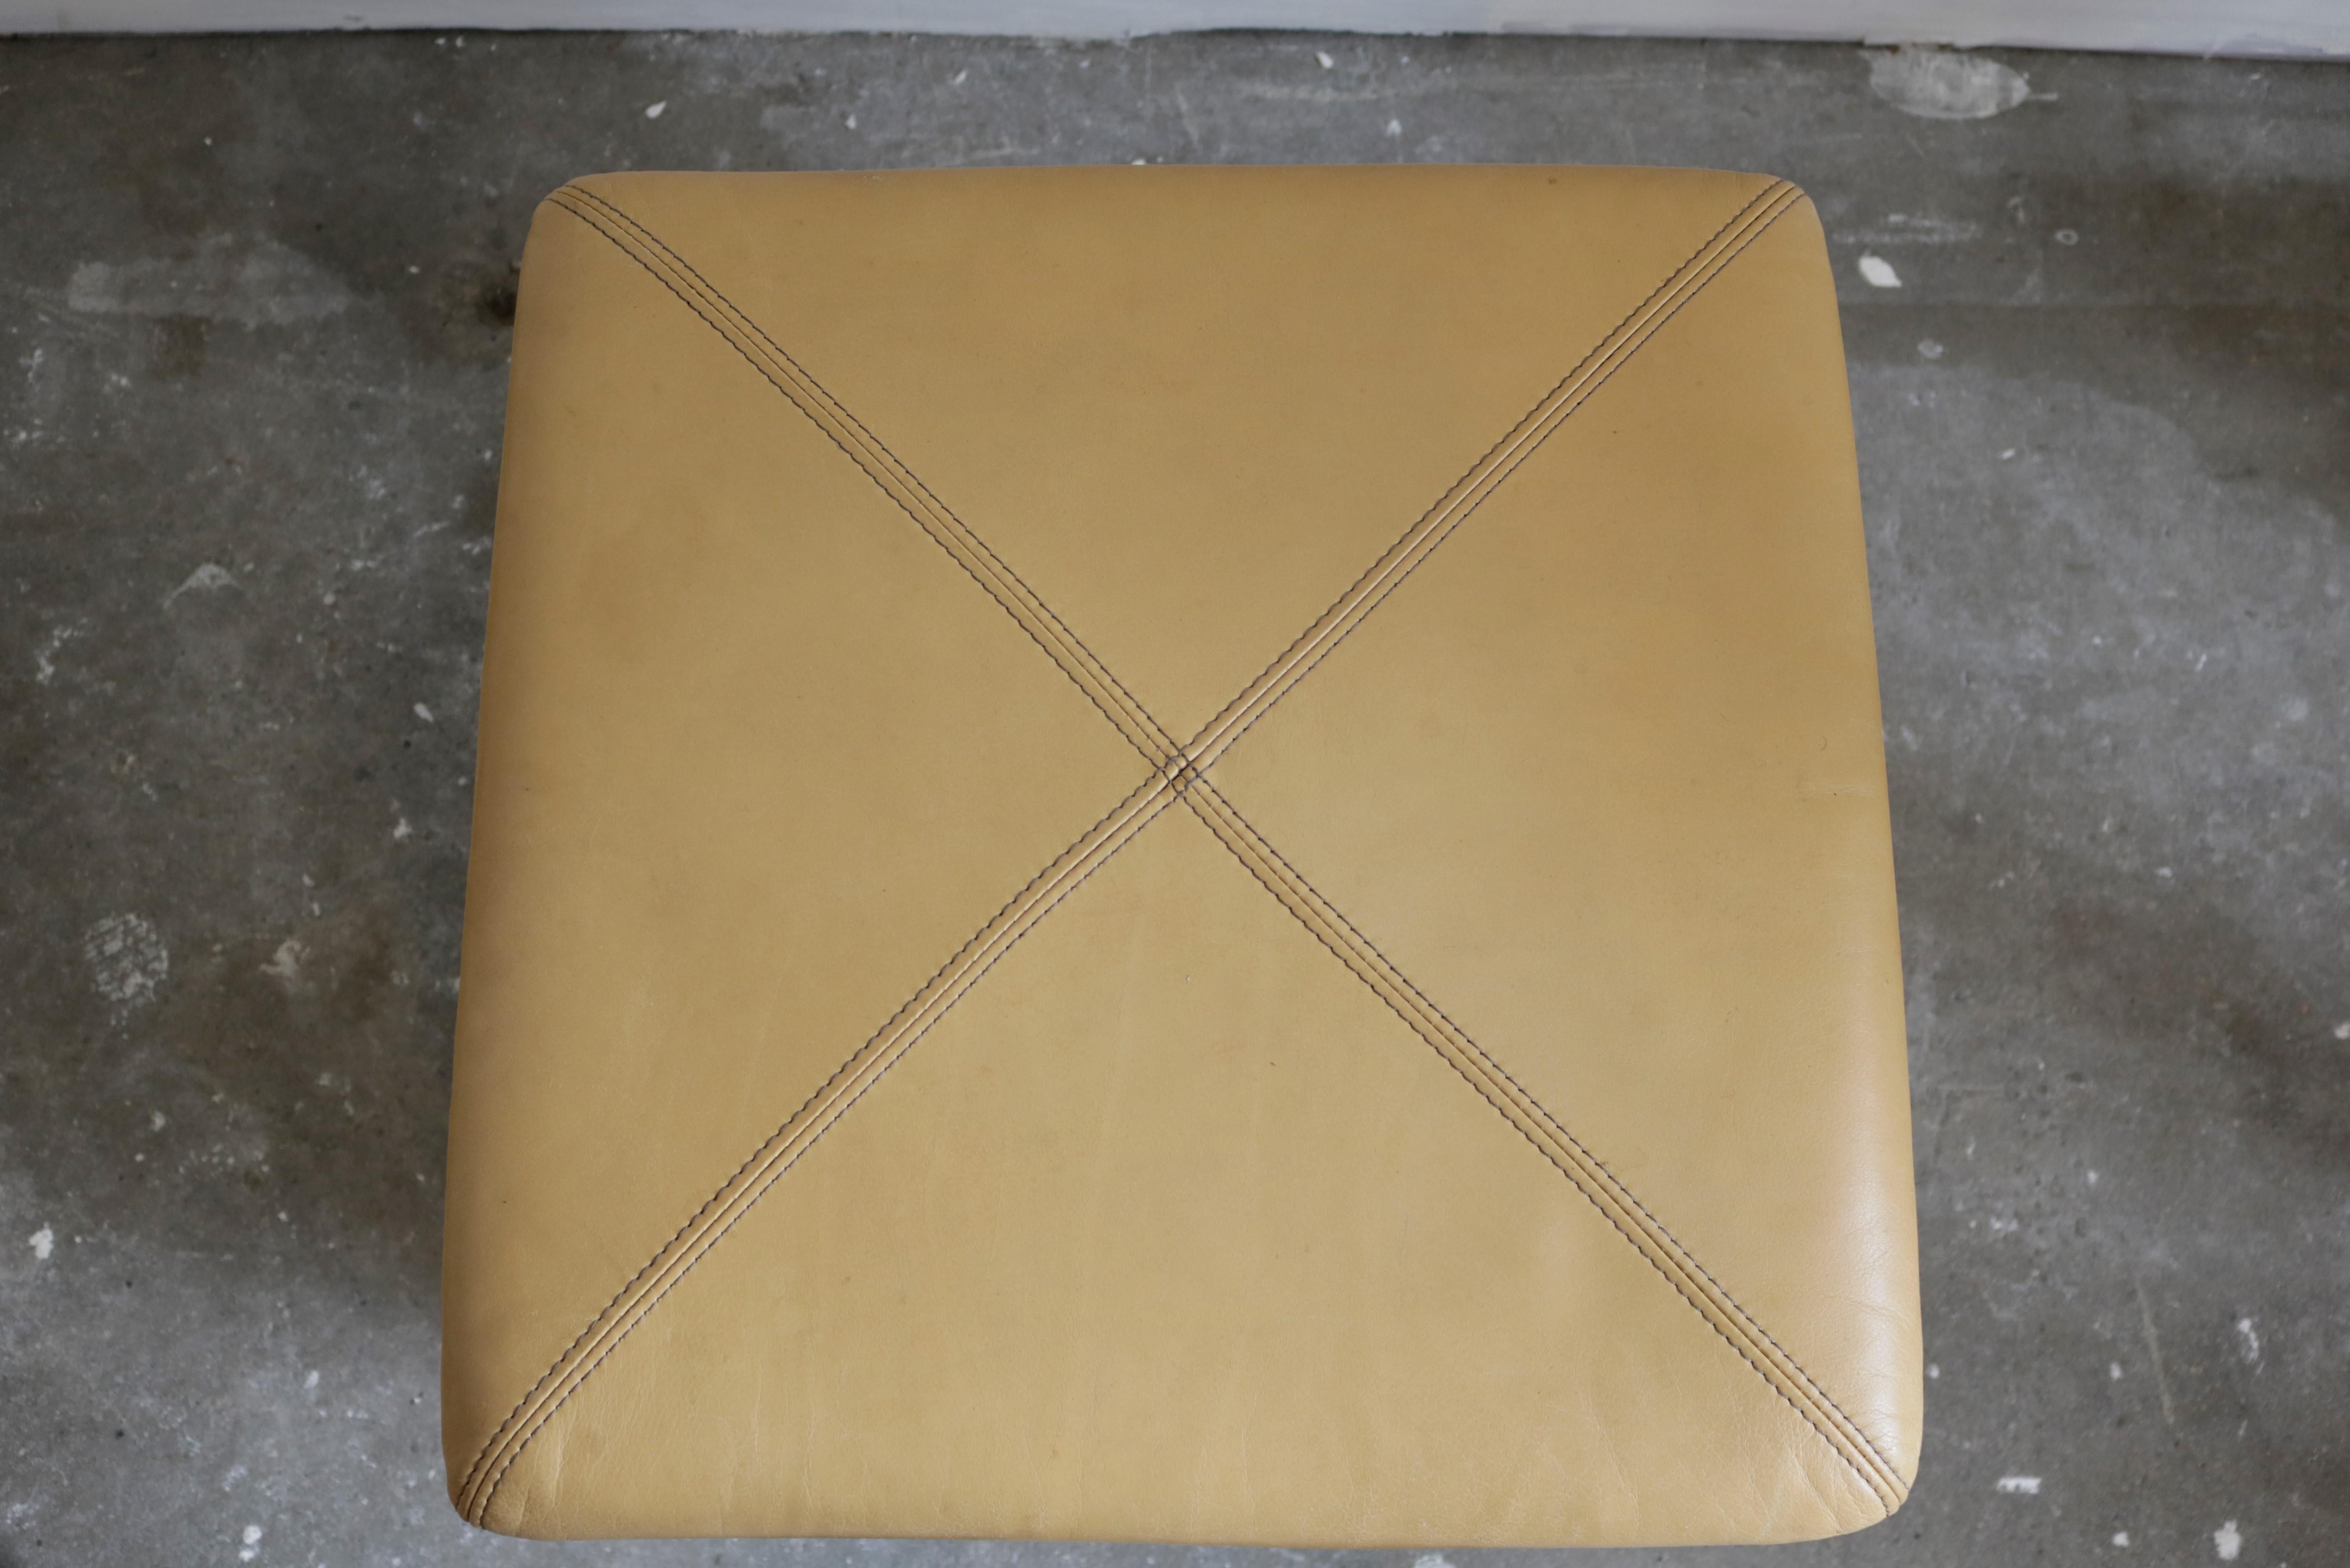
[(959, 432)]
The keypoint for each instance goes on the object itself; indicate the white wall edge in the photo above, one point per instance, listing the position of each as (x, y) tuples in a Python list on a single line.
[(2271, 28)]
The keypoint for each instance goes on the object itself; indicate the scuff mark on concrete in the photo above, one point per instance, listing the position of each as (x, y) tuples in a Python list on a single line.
[(2154, 1352), (128, 959), (205, 579), (253, 282), (1944, 84)]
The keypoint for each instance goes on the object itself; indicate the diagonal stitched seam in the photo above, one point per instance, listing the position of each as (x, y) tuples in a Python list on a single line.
[(1160, 764), (1178, 772), (1606, 344), (1616, 1189), (1035, 602), (1556, 1127), (821, 1089), (1335, 643), (523, 1440)]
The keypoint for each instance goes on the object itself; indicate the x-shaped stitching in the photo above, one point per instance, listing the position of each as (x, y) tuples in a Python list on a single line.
[(1178, 773)]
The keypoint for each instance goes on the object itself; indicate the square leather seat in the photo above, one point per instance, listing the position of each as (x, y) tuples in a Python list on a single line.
[(1182, 855)]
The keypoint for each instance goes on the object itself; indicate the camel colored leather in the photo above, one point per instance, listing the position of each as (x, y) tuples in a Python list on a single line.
[(1180, 855)]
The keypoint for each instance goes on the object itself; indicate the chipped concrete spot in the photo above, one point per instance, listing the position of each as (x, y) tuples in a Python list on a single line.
[(128, 958), (252, 281), (207, 578), (1944, 84), (2019, 1486), (43, 1242), (2228, 1541), (1878, 272)]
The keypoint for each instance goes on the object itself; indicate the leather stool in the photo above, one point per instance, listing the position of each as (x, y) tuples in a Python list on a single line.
[(1180, 855)]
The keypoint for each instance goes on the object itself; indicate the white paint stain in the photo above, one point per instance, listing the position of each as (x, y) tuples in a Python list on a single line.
[(1933, 1371), (127, 956), (284, 966), (400, 831), (2113, 1371), (2121, 1538), (312, 1380), (252, 1548), (157, 1121), (1395, 128), (2228, 1541), (207, 578), (653, 111), (1928, 349), (44, 668), (43, 1242), (1431, 1559), (960, 78), (2251, 1337), (852, 122), (1944, 84), (2068, 236), (2341, 1029), (423, 712), (1326, 62), (1878, 272), (2019, 1486), (253, 282)]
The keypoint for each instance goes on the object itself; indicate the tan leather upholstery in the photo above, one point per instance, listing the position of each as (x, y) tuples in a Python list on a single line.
[(1187, 855)]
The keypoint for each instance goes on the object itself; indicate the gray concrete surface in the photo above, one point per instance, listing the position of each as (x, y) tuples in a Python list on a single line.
[(255, 299)]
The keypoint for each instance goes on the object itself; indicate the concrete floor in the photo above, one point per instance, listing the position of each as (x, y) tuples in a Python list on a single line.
[(255, 296)]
